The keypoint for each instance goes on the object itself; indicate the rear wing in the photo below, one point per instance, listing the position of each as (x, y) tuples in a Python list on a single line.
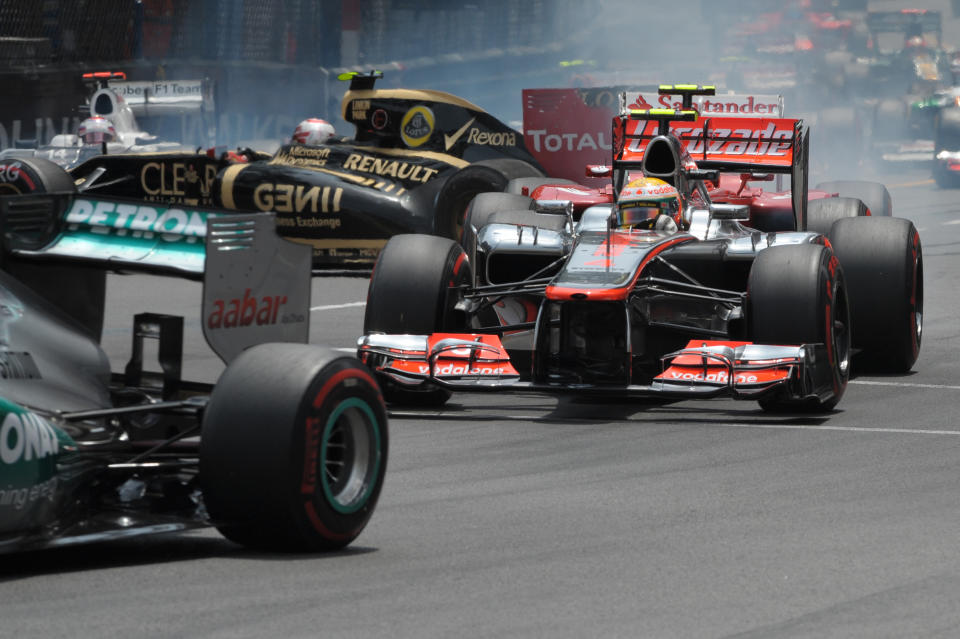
[(166, 97), (730, 144), (567, 129), (724, 143), (121, 101)]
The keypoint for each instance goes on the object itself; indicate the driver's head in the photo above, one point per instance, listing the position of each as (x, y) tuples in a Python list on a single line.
[(96, 130), (313, 131), (649, 203)]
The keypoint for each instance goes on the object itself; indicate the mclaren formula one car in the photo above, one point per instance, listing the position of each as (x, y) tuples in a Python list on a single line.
[(539, 296), (566, 130), (287, 451), (416, 161)]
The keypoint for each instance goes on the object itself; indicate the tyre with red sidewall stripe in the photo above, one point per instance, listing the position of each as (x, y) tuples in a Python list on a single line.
[(293, 449), (882, 259), (414, 290), (798, 295), (33, 175)]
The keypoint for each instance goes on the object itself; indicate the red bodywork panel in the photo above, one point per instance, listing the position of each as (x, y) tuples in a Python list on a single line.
[(693, 368), (566, 129)]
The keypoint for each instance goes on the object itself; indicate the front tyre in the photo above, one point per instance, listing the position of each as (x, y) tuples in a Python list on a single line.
[(798, 295), (414, 290), (33, 175), (293, 449)]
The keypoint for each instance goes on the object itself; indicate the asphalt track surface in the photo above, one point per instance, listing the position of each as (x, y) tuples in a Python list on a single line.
[(525, 515)]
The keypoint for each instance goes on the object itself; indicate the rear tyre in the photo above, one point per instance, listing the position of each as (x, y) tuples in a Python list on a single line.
[(293, 449), (465, 184), (797, 295), (823, 212), (414, 291), (882, 259), (873, 194), (33, 175)]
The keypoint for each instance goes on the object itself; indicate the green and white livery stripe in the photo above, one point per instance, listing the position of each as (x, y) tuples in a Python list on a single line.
[(133, 234)]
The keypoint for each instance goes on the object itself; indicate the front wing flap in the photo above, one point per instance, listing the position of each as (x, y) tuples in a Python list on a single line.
[(702, 369), (456, 361)]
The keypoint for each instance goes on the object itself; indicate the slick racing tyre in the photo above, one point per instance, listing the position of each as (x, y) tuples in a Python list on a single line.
[(823, 212), (462, 186), (882, 259), (527, 185), (293, 449), (413, 290), (873, 194), (485, 205), (33, 175), (797, 295)]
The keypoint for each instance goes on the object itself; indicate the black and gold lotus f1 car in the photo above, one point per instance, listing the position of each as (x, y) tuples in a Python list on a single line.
[(416, 160)]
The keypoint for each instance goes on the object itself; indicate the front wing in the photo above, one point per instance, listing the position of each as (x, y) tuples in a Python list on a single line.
[(702, 369)]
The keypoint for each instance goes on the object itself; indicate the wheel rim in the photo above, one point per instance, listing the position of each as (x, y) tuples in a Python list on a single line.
[(350, 455)]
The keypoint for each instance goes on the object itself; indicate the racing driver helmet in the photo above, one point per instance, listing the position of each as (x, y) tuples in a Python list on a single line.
[(313, 131), (649, 203), (96, 130)]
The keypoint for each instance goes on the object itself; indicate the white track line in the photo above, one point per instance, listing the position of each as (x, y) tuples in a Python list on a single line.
[(331, 307), (848, 429), (537, 418), (904, 384)]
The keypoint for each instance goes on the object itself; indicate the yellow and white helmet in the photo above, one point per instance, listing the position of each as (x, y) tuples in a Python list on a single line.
[(649, 203)]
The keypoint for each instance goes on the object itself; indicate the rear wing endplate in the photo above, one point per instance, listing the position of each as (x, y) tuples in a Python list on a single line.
[(256, 287)]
